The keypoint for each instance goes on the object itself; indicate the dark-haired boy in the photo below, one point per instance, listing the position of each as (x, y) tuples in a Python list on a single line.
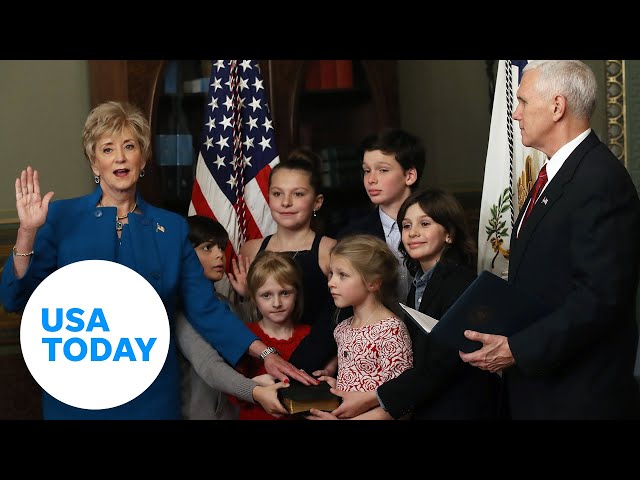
[(393, 162)]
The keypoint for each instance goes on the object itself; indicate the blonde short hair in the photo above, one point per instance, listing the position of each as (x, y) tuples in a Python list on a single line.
[(113, 118), (285, 271)]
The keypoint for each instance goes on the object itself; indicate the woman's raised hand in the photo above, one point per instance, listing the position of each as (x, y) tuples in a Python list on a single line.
[(32, 209)]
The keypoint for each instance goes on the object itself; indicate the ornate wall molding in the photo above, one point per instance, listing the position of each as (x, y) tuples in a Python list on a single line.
[(616, 109)]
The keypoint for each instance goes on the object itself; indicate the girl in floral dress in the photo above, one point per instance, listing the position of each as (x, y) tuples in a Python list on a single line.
[(373, 345)]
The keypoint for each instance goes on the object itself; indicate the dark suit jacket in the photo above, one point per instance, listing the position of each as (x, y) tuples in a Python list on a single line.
[(440, 385), (369, 224), (579, 252)]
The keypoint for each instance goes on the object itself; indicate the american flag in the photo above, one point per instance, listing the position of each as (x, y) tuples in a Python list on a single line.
[(236, 155)]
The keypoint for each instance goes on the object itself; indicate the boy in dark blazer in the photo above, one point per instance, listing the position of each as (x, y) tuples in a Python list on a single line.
[(393, 162)]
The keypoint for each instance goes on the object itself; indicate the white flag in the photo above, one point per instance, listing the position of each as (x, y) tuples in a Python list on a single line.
[(510, 171)]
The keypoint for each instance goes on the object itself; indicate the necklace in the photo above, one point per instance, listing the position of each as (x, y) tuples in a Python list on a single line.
[(345, 353), (119, 224), (370, 316), (303, 243)]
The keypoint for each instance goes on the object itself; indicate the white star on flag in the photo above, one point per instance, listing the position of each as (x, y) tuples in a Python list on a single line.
[(235, 190), (265, 143)]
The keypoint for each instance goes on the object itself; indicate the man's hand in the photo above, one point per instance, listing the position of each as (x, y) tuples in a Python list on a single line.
[(495, 354), (281, 369), (354, 403)]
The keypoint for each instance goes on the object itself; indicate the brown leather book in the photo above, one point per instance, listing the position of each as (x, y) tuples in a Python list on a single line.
[(299, 398)]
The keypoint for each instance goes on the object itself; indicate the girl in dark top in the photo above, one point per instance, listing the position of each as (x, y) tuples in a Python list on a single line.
[(294, 199), (438, 252)]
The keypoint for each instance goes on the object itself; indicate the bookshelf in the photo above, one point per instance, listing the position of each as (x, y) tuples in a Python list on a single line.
[(333, 121), (319, 118)]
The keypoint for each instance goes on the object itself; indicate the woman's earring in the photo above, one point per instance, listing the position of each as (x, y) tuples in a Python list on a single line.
[(315, 213), (141, 173), (96, 178)]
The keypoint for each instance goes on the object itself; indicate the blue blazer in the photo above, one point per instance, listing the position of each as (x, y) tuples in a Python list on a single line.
[(77, 230)]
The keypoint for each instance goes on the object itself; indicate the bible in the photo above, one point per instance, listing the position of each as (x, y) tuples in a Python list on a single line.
[(300, 398)]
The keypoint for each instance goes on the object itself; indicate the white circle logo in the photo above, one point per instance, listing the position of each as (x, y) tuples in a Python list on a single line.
[(94, 334)]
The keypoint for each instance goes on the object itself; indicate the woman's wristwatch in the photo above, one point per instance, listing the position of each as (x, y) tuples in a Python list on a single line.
[(268, 351)]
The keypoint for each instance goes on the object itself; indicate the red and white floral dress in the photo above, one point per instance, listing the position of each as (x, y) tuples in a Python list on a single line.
[(371, 355)]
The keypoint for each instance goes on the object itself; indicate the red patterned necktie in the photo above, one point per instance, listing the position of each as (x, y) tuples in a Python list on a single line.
[(537, 188)]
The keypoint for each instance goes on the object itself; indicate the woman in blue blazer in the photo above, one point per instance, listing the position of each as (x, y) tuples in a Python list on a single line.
[(114, 223)]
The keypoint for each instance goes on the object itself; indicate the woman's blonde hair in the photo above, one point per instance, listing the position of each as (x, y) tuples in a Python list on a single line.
[(285, 271), (113, 118)]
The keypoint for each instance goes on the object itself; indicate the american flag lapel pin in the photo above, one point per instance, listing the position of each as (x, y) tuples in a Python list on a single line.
[(545, 200), (159, 228)]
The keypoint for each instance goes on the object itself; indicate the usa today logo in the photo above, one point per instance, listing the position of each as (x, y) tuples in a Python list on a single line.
[(94, 334)]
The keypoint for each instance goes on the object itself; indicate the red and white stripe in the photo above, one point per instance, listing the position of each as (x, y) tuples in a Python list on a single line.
[(209, 200)]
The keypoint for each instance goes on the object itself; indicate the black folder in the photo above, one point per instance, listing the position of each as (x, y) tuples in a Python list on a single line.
[(489, 305)]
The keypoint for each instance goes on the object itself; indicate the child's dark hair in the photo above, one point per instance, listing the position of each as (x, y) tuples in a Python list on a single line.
[(204, 229), (405, 147), (284, 269), (305, 160), (444, 208)]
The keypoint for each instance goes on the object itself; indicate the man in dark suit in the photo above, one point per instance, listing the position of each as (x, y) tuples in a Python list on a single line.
[(578, 251)]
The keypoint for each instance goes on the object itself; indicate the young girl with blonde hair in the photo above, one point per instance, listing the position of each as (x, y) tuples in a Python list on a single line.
[(274, 288), (373, 345), (438, 251)]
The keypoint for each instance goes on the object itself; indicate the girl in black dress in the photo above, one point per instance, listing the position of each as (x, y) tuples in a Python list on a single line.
[(294, 200)]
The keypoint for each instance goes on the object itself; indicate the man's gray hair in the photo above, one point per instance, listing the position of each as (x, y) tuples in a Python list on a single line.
[(572, 79)]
